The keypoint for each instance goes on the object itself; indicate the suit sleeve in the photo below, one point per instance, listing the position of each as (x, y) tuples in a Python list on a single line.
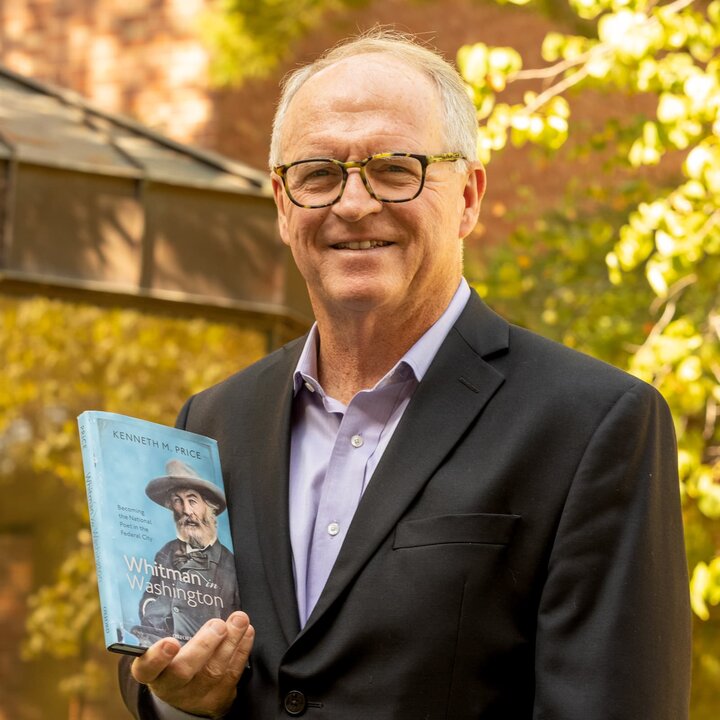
[(136, 696), (613, 635), (140, 700)]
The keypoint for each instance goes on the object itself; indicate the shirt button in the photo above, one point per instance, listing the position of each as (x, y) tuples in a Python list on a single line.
[(295, 703), (309, 387), (333, 529), (356, 441)]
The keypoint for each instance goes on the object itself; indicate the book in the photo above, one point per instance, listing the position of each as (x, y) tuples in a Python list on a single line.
[(161, 537)]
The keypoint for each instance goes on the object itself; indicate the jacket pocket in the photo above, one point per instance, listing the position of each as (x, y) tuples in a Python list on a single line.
[(477, 529)]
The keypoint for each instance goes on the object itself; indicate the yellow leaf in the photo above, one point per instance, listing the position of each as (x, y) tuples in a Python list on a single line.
[(698, 585)]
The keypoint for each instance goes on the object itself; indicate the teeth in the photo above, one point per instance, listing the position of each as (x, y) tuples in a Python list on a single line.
[(364, 245)]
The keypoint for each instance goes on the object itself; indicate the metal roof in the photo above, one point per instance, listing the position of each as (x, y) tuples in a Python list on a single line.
[(95, 203), (51, 126)]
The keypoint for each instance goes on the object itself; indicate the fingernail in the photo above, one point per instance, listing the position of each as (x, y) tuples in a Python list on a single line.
[(169, 649), (238, 621), (218, 627)]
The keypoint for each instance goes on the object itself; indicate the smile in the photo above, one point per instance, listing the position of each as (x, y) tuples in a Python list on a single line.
[(362, 245)]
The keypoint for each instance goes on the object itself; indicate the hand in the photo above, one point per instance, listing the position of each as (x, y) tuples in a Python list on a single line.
[(200, 677)]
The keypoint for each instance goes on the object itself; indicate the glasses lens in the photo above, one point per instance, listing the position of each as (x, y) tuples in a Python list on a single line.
[(394, 178), (316, 182)]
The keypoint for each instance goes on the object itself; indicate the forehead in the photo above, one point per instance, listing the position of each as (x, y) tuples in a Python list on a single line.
[(362, 105), (185, 493)]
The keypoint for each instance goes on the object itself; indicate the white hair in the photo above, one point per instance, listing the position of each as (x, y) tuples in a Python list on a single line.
[(459, 115)]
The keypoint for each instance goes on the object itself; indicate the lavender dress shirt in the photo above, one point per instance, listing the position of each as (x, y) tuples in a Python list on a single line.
[(335, 449)]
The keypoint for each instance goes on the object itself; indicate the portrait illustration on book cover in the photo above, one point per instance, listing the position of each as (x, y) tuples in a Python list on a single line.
[(192, 578), (163, 547)]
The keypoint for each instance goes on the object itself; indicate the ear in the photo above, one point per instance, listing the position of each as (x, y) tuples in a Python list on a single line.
[(472, 198), (281, 202)]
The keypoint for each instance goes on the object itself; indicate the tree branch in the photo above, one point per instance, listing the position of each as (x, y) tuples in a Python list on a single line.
[(673, 291), (582, 59), (556, 89), (552, 70)]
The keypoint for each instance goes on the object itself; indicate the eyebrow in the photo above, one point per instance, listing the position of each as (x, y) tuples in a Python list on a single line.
[(188, 493)]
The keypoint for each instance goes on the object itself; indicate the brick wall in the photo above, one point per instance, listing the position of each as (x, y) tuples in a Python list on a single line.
[(137, 57)]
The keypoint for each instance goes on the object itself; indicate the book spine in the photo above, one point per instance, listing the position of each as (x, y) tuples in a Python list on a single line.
[(92, 463)]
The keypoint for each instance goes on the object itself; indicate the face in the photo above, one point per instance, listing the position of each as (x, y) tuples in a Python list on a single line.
[(361, 255), (194, 519)]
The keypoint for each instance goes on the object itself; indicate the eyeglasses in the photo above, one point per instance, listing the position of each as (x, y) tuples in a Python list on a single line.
[(390, 177)]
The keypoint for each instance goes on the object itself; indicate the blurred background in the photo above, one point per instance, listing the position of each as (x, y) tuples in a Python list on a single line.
[(140, 262)]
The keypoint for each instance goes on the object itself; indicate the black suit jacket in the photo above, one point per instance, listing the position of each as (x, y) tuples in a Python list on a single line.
[(517, 555)]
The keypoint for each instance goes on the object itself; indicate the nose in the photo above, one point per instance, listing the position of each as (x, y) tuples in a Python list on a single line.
[(356, 202)]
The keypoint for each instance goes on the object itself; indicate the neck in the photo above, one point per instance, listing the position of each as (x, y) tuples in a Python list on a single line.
[(357, 349)]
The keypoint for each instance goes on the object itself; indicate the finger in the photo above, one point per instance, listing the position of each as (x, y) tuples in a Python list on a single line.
[(195, 654), (146, 668), (231, 657), (240, 659)]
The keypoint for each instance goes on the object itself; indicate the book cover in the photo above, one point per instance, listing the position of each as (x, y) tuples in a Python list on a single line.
[(161, 536)]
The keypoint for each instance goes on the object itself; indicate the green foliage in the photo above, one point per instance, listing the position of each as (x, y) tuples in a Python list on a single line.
[(250, 37), (64, 617), (59, 359), (638, 47), (551, 275), (630, 273)]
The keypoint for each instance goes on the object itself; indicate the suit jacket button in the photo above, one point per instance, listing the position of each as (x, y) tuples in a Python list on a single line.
[(295, 703)]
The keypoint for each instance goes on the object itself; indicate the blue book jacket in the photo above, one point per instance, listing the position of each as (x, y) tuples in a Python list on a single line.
[(161, 536)]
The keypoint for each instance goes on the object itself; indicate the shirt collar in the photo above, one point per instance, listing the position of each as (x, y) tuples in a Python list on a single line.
[(423, 352), (306, 368), (417, 358)]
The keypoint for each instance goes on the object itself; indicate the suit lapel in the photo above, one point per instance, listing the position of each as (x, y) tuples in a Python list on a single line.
[(267, 466), (455, 389)]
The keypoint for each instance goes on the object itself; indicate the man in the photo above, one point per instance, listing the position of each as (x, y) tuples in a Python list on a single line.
[(196, 566), (437, 514)]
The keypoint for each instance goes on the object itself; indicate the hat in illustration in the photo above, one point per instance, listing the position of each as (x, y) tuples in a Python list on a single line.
[(179, 475)]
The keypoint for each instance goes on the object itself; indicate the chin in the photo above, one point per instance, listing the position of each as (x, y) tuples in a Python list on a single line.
[(199, 539), (360, 295)]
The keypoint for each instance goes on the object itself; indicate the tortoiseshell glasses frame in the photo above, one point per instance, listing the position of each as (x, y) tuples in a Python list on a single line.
[(326, 177)]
